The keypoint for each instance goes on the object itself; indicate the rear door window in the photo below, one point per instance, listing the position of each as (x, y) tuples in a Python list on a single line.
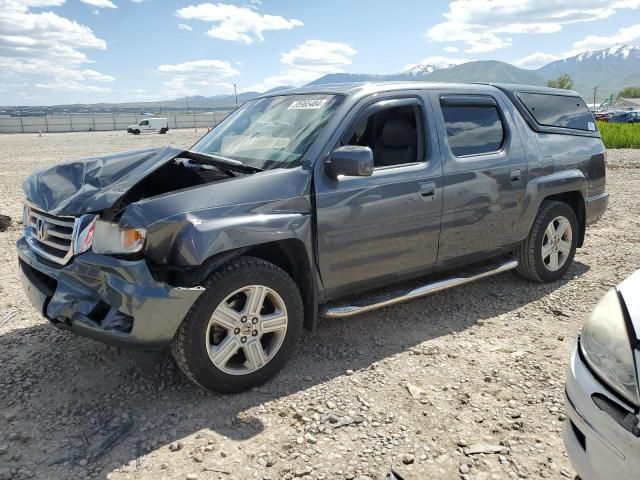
[(558, 110), (473, 129)]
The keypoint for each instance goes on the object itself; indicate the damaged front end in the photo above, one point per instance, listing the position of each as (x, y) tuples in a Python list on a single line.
[(110, 299), (82, 269)]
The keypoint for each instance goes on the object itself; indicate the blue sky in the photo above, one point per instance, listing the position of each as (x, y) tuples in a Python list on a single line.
[(67, 51)]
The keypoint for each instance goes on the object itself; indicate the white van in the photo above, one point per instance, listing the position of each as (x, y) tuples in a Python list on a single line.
[(159, 125)]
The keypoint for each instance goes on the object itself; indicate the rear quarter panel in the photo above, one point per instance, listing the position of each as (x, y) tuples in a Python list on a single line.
[(560, 163)]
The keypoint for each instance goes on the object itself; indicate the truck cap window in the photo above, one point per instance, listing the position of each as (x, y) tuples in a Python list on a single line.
[(271, 132), (473, 129), (558, 110)]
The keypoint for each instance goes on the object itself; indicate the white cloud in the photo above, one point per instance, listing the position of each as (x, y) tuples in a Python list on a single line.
[(537, 60), (307, 62), (487, 25), (71, 86), (197, 77), (451, 49), (184, 26), (45, 46), (100, 3), (438, 62), (625, 35), (239, 24), (318, 54)]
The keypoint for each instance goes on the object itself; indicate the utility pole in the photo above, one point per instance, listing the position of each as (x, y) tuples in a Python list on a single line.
[(595, 90), (235, 91)]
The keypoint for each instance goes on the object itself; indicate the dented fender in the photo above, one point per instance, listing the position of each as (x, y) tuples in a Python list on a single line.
[(192, 239), (187, 227)]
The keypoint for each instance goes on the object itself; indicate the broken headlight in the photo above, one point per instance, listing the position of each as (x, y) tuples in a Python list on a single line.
[(111, 238), (607, 348)]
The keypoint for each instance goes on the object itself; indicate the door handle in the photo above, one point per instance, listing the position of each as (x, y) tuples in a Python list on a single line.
[(428, 191), (515, 175)]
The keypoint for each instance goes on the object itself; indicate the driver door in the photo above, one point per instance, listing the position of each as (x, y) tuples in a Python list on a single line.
[(372, 230)]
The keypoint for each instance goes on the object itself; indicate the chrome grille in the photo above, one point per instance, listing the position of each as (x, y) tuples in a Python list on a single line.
[(50, 236)]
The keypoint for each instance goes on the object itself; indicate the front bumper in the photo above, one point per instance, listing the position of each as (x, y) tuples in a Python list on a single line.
[(595, 207), (598, 445), (111, 300)]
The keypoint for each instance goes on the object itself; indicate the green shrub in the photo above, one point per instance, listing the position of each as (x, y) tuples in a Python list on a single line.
[(620, 135)]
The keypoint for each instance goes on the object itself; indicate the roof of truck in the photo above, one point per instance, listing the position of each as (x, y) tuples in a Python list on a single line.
[(374, 87)]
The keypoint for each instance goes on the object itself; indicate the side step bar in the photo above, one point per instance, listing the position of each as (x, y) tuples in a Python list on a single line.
[(380, 301)]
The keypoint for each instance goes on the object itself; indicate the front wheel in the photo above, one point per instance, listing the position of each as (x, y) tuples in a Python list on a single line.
[(243, 328), (547, 254)]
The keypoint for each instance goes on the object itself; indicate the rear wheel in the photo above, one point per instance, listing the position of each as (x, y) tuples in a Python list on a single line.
[(163, 130), (547, 254), (243, 328)]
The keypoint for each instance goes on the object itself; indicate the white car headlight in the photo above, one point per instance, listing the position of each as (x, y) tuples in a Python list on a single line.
[(111, 238), (607, 348)]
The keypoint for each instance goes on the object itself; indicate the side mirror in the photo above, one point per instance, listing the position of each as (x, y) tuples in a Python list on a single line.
[(351, 161)]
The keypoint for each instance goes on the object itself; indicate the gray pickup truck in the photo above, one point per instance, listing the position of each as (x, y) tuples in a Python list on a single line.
[(298, 201)]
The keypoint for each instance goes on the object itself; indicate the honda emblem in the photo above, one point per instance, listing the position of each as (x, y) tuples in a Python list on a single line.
[(41, 229)]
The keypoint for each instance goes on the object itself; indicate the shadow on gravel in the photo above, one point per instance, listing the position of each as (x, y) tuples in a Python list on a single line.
[(81, 408)]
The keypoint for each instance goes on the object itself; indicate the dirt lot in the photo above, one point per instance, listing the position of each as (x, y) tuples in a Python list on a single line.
[(488, 359)]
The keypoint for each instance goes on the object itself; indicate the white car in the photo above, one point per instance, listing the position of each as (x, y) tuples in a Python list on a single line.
[(602, 430), (159, 125)]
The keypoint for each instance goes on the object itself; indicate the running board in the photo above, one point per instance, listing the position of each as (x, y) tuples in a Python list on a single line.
[(366, 305)]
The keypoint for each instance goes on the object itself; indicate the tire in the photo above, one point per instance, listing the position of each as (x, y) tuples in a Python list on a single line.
[(163, 131), (203, 336), (136, 132), (536, 254)]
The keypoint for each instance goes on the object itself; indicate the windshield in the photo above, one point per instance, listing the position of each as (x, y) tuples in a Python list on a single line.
[(270, 132)]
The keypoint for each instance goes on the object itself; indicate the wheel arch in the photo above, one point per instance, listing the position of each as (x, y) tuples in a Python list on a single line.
[(567, 186), (291, 256), (288, 254)]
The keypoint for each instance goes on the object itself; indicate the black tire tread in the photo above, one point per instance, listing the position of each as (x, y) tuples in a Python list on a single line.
[(526, 251)]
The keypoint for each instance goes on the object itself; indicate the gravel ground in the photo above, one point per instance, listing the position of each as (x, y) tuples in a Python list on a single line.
[(413, 386)]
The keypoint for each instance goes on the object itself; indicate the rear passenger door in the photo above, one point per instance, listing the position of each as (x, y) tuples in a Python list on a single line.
[(485, 174), (386, 226)]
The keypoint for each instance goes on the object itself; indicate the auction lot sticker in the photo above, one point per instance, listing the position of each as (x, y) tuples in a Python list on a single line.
[(310, 104)]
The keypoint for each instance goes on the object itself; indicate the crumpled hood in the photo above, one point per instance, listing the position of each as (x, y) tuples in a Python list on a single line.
[(94, 184)]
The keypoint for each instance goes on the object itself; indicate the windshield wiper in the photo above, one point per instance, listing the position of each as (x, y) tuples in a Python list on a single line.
[(223, 163)]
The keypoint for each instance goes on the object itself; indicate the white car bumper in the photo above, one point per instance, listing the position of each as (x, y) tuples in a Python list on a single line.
[(598, 439)]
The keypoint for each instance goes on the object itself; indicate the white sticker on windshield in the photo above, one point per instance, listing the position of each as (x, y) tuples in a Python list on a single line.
[(591, 126), (310, 104)]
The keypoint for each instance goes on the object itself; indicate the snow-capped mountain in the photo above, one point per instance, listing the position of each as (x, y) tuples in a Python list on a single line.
[(615, 53), (610, 70), (420, 70)]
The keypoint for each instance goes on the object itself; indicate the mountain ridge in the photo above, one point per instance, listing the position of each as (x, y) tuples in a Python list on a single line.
[(610, 69)]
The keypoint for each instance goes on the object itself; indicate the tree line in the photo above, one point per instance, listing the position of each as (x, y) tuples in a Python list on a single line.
[(565, 82)]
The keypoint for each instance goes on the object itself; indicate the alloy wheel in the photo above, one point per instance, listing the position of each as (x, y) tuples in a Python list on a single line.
[(556, 243), (246, 330)]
